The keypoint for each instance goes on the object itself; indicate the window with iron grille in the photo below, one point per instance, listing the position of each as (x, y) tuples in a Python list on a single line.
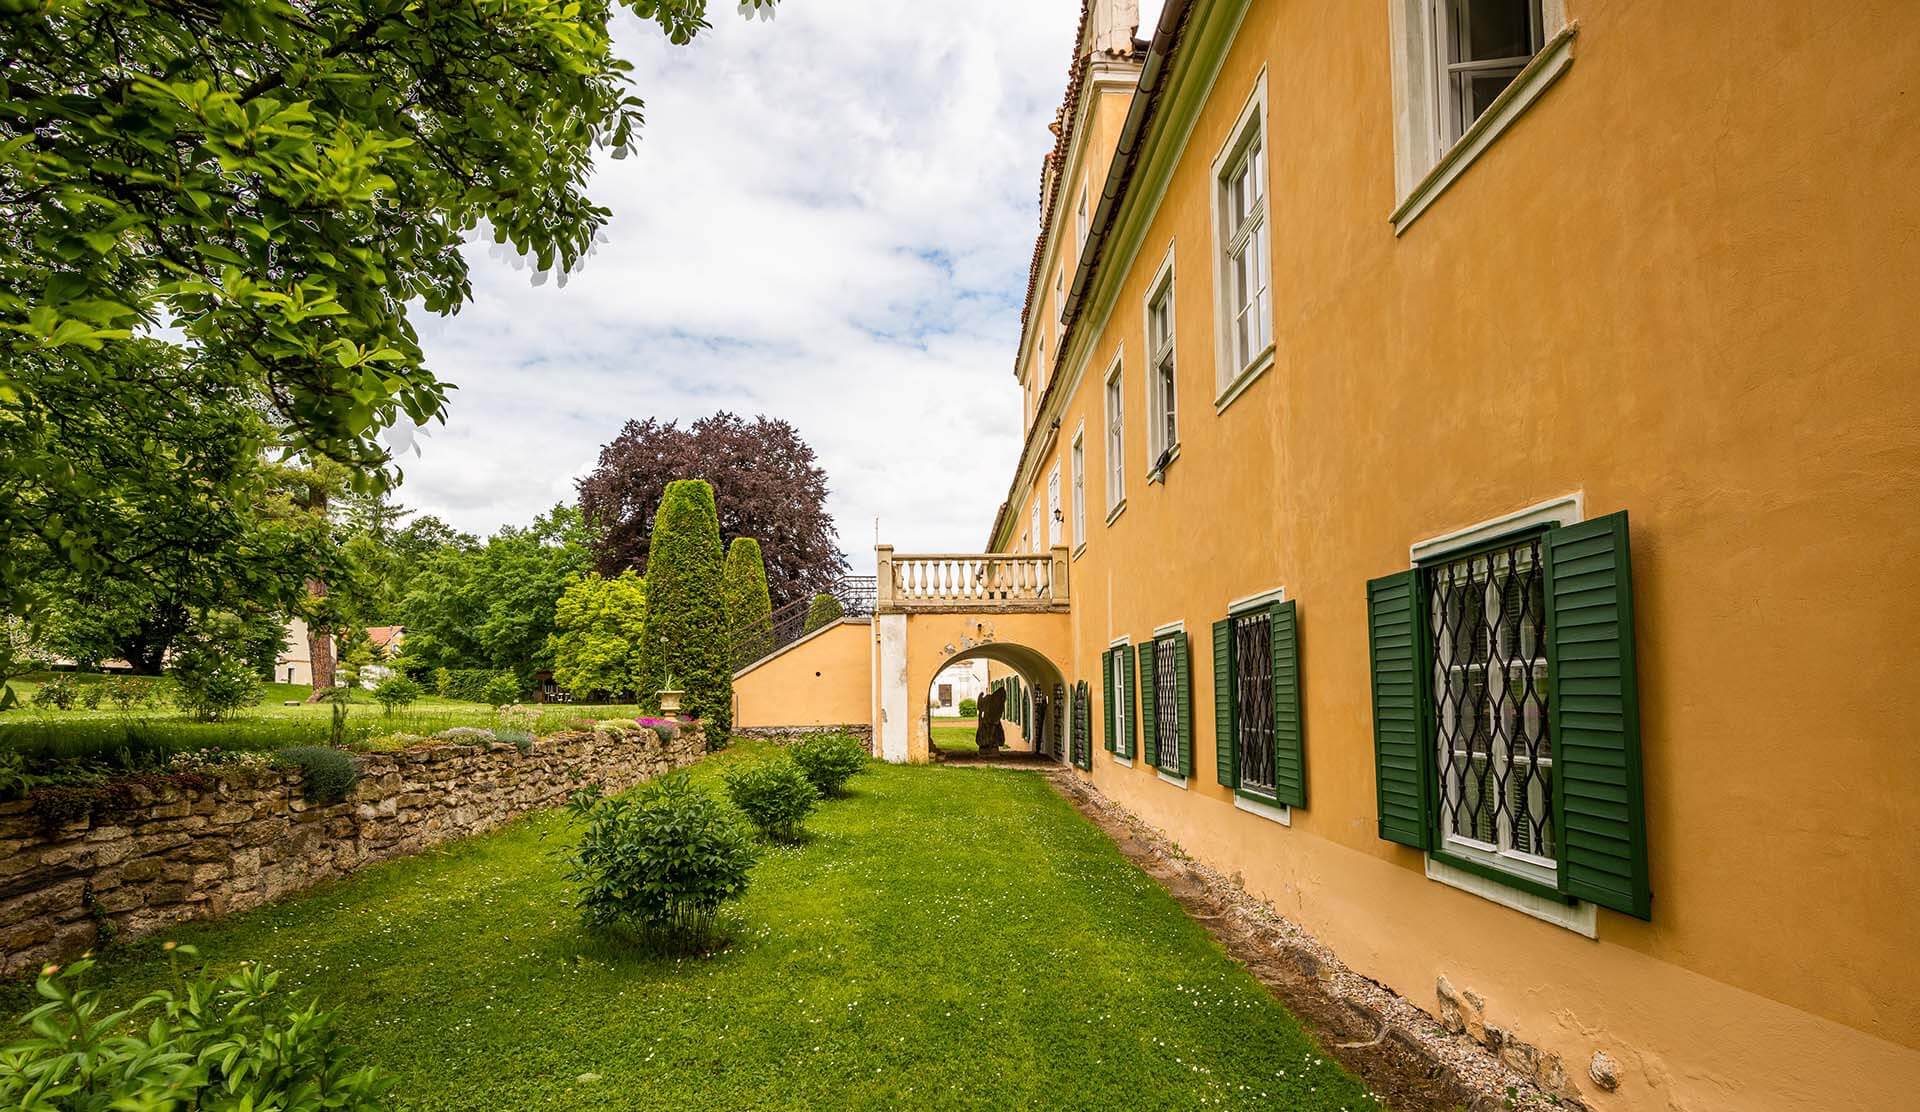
[(1055, 728), (1166, 704), (1082, 725), (1253, 700), (1493, 755)]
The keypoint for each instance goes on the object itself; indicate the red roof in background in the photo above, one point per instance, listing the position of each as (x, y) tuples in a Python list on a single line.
[(384, 636)]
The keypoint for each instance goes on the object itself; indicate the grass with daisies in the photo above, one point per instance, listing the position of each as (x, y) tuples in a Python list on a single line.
[(946, 938)]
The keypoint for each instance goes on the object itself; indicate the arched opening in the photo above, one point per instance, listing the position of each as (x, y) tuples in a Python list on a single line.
[(1033, 702)]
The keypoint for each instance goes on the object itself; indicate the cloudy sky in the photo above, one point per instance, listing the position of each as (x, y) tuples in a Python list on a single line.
[(829, 220)]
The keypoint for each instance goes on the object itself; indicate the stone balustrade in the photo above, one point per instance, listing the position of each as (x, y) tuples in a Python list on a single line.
[(972, 581)]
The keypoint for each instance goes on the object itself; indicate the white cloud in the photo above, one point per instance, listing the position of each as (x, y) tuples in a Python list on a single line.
[(829, 219)]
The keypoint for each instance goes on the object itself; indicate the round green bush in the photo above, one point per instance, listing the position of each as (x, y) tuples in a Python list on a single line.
[(830, 760), (56, 693), (659, 862), (330, 773), (397, 690), (212, 680), (500, 690), (774, 795)]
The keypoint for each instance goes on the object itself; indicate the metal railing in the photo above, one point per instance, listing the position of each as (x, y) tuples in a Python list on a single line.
[(855, 595), (985, 581)]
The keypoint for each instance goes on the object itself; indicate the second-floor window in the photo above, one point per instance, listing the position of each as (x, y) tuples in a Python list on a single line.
[(1054, 515), (1243, 232), (1079, 488), (1116, 437), (1482, 46), (1060, 291), (1080, 219), (1163, 433)]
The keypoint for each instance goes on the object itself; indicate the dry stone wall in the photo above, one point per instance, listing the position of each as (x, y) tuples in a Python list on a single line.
[(154, 852)]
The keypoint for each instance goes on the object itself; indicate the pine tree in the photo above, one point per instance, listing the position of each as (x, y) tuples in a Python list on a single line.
[(686, 624), (743, 587)]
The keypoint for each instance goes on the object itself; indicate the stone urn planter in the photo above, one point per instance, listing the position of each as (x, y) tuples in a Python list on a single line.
[(670, 703)]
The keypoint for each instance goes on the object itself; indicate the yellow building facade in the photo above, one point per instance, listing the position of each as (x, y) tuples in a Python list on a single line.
[(1468, 494), (1509, 279)]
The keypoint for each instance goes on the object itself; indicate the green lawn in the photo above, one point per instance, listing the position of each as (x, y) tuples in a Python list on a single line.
[(955, 735), (949, 938), (271, 724)]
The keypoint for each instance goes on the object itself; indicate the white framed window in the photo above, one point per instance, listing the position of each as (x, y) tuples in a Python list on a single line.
[(1055, 516), (1060, 291), (1116, 436), (1121, 684), (1163, 402), (1080, 487), (1243, 293), (1464, 70), (1039, 538), (1080, 219)]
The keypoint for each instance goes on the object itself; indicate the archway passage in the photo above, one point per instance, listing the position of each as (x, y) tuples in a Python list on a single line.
[(912, 649), (1024, 687)]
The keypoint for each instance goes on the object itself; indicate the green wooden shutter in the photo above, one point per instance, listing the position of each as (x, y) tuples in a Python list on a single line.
[(1394, 622), (1106, 690), (1128, 682), (1594, 707), (1082, 726), (1225, 759), (1144, 655), (1183, 690), (1289, 754)]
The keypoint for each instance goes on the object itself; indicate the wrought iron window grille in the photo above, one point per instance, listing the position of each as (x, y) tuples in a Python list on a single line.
[(1493, 743), (1253, 700)]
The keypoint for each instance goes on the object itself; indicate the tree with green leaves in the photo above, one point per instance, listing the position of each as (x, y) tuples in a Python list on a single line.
[(274, 184), (825, 611), (686, 627), (743, 590), (599, 629), (492, 605)]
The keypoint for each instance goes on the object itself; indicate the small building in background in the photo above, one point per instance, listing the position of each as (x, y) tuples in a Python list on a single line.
[(962, 681)]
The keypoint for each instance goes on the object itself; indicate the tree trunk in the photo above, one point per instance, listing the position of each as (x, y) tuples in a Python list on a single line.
[(319, 648)]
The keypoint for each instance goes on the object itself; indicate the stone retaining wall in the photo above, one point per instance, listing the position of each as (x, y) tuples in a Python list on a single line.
[(156, 851)]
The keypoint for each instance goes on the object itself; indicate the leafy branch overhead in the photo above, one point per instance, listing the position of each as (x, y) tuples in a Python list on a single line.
[(270, 186)]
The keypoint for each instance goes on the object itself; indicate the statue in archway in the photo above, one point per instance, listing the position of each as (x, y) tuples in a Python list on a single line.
[(989, 735)]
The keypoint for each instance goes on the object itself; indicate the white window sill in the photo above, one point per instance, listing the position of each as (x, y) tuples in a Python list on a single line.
[(1118, 508), (1271, 811), (1580, 917), (1123, 762), (1540, 74), (1177, 781), (1261, 365), (1159, 474)]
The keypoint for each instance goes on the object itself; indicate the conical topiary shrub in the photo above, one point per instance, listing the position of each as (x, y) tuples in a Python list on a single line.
[(825, 611), (743, 589), (686, 624)]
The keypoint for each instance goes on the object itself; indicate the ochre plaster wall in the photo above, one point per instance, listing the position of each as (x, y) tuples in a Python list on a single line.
[(823, 680), (1681, 285)]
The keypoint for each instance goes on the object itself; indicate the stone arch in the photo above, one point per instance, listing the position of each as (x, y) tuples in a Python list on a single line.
[(1034, 669), (913, 648)]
